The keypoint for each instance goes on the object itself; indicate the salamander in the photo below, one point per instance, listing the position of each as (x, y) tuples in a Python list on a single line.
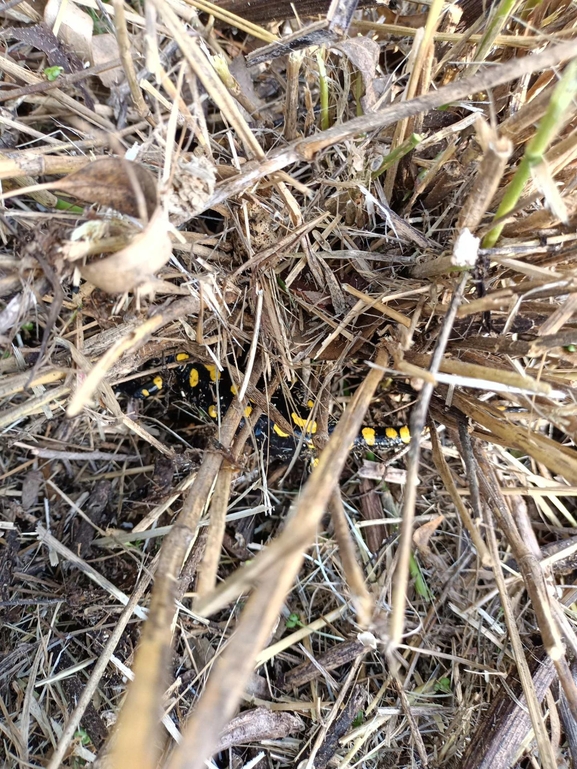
[(210, 391)]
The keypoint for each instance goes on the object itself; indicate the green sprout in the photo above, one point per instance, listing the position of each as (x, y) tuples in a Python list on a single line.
[(359, 719), (421, 587), (561, 99), (443, 685), (52, 73), (409, 144), (293, 620), (82, 736), (64, 205)]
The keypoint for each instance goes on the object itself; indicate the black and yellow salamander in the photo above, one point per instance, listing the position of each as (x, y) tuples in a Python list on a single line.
[(210, 391)]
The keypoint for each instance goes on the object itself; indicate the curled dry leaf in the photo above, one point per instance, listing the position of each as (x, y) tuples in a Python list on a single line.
[(134, 266), (105, 48), (423, 534), (259, 724), (75, 27), (364, 54), (113, 182)]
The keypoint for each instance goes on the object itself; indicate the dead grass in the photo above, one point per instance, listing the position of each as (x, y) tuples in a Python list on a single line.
[(387, 217)]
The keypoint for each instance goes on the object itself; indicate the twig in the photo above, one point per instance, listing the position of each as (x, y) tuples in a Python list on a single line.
[(418, 419)]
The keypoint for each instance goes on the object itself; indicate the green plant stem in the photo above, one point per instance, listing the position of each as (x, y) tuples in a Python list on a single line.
[(409, 144), (504, 10), (552, 121)]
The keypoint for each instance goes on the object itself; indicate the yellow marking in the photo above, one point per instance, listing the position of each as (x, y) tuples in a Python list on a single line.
[(369, 435), (158, 383), (314, 461), (405, 434), (233, 389), (212, 370), (248, 411), (280, 432), (145, 392), (391, 433), (306, 424), (213, 411), (193, 377), (310, 404), (182, 356)]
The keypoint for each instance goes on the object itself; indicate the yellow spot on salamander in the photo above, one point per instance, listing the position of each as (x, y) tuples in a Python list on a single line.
[(213, 372), (193, 377), (233, 389), (369, 436), (213, 411), (158, 382), (145, 393), (248, 411), (306, 424), (310, 404), (405, 434), (280, 432), (182, 356), (391, 433), (314, 462)]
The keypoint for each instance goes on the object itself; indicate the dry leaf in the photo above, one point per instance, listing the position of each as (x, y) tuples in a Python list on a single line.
[(135, 265), (113, 182), (105, 48), (75, 27), (40, 36), (31, 489), (364, 54), (259, 724), (423, 534)]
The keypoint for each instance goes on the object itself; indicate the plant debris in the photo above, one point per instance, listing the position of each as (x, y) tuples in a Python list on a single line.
[(369, 210)]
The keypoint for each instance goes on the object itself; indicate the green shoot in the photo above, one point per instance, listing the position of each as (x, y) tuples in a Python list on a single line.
[(421, 587), (563, 95), (409, 144), (52, 73)]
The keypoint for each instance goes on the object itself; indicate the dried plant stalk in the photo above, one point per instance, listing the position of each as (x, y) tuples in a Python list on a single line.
[(495, 158)]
